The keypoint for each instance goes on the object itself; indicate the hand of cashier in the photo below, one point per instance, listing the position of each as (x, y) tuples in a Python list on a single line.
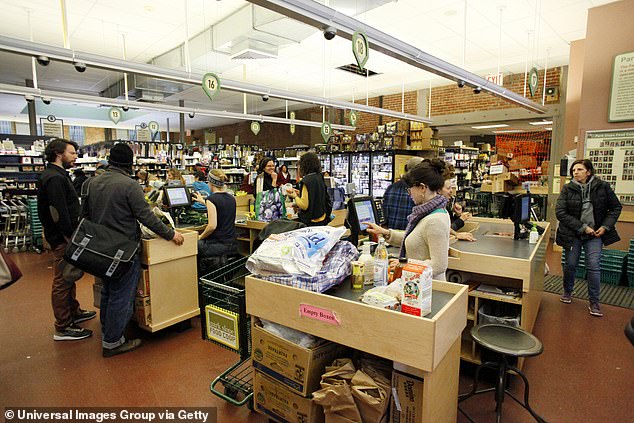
[(198, 197)]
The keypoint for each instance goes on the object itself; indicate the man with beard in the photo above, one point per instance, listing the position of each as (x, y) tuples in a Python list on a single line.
[(58, 209)]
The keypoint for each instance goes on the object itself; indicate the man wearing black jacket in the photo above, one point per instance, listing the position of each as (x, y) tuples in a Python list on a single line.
[(58, 209)]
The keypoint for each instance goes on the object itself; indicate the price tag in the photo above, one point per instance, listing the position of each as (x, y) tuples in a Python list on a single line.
[(211, 85)]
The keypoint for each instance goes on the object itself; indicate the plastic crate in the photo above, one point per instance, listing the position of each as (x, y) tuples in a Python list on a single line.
[(611, 277)]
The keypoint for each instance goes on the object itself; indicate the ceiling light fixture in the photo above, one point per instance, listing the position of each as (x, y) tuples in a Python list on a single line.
[(543, 122), (497, 125), (318, 15), (31, 48), (508, 131)]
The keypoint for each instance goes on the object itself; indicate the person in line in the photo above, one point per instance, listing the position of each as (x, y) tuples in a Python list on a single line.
[(79, 178), (200, 186), (312, 197), (143, 177), (174, 177), (101, 167), (426, 237), (58, 209), (397, 203), (283, 177), (587, 211), (456, 214), (267, 178), (219, 236), (116, 201)]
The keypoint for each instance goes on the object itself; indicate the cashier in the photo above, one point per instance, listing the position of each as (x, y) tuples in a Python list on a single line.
[(426, 237), (267, 178), (457, 215)]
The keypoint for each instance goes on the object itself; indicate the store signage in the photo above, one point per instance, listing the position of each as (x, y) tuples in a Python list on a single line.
[(533, 81), (292, 126), (621, 105), (353, 118), (255, 127), (52, 127), (153, 126), (142, 133), (211, 85), (317, 313), (360, 48), (495, 78), (326, 131), (496, 169), (115, 114)]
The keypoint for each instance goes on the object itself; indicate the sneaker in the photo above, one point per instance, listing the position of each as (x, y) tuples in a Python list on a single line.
[(595, 309), (566, 298), (83, 315), (72, 332), (127, 346)]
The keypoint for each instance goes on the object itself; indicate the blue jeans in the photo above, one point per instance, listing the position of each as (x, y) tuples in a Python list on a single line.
[(117, 305), (592, 247)]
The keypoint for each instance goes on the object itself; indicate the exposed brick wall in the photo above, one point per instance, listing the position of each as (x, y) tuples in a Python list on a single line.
[(450, 99), (367, 122)]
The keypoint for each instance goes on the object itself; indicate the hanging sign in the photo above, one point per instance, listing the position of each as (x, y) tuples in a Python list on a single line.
[(211, 84), (115, 114), (353, 118), (533, 80), (292, 126), (326, 131), (255, 127), (153, 126), (360, 48), (143, 134), (621, 104), (52, 127)]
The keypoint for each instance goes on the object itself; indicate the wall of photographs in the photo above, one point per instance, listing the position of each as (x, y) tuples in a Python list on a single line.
[(612, 154)]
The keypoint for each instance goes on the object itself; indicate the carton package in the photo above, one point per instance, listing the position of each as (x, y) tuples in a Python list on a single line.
[(143, 286), (143, 310), (407, 402), (417, 286), (297, 367), (277, 401), (507, 177)]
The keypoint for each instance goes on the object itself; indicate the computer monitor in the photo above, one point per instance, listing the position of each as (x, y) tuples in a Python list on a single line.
[(360, 211), (189, 179), (177, 196), (522, 212)]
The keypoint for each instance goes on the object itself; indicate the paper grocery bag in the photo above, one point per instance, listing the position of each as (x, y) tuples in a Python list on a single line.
[(371, 396), (342, 369), (338, 404)]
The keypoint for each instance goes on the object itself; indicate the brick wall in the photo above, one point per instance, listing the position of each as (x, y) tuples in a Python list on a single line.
[(450, 99)]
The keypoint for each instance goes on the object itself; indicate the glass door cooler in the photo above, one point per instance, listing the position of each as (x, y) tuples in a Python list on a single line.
[(360, 172), (324, 158), (382, 166), (341, 169)]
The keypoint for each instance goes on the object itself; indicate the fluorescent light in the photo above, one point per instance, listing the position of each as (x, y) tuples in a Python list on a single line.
[(543, 122), (508, 131), (549, 128), (497, 125)]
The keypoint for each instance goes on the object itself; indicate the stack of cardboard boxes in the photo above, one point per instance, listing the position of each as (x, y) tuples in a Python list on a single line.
[(501, 179)]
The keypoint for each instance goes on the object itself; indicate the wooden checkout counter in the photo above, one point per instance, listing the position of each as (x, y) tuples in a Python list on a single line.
[(495, 259)]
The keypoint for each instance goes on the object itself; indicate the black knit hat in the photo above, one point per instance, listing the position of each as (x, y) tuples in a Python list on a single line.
[(121, 155)]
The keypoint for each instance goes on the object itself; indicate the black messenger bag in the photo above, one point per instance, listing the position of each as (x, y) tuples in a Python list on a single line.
[(100, 251)]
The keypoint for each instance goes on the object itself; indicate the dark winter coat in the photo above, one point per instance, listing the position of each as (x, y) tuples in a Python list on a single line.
[(606, 211)]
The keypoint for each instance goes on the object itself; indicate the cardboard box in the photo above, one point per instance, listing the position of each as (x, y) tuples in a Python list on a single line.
[(297, 367), (523, 162), (158, 250), (496, 185), (143, 286), (143, 310), (507, 177), (278, 402), (407, 401), (417, 286)]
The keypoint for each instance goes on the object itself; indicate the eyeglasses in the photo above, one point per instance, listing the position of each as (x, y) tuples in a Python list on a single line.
[(409, 189)]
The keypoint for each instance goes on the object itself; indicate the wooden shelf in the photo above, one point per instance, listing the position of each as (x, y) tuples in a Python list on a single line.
[(495, 297)]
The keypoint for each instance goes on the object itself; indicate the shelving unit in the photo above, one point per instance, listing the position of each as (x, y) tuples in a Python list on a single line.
[(464, 160), (382, 172), (19, 172)]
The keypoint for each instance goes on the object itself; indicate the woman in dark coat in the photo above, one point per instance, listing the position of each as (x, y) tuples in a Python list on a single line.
[(587, 211)]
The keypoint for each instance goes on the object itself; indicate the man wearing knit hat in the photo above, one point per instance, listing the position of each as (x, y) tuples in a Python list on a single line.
[(117, 201), (397, 203)]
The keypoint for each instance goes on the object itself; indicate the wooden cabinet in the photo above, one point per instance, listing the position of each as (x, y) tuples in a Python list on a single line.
[(429, 344), (497, 259)]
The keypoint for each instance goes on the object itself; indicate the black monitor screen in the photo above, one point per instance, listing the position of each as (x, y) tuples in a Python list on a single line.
[(365, 212), (177, 196), (525, 208)]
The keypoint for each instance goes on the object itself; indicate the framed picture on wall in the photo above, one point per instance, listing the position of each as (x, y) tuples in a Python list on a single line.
[(621, 102)]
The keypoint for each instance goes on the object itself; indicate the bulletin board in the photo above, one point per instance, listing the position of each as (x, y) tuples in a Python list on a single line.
[(612, 155)]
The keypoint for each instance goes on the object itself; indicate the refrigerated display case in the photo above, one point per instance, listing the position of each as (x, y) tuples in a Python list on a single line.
[(360, 172), (341, 169), (382, 165), (324, 158)]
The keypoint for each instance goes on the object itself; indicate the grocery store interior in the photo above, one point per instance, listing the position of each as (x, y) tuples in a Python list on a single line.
[(507, 93)]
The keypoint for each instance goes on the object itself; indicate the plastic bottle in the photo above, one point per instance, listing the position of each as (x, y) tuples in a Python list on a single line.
[(368, 262), (398, 269), (533, 236), (381, 264)]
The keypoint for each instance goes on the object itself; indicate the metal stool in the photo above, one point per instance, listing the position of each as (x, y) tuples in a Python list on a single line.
[(507, 341)]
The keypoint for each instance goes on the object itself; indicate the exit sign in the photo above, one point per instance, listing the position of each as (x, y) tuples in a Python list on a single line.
[(495, 78)]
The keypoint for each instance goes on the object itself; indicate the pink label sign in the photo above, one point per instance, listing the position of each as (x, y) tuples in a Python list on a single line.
[(317, 313)]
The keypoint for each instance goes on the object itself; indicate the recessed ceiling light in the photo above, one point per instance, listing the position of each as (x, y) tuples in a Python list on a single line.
[(498, 125), (508, 131), (543, 122), (549, 128)]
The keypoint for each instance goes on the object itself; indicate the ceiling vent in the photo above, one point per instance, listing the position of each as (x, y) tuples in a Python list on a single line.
[(251, 49), (352, 68)]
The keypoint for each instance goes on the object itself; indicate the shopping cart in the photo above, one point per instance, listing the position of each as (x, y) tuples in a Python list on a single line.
[(225, 322), (16, 228)]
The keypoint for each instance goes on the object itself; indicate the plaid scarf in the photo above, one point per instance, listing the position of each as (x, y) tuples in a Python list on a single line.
[(418, 213)]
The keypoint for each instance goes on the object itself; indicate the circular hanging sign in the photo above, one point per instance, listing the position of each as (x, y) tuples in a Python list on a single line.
[(255, 127), (292, 126), (360, 48), (326, 131), (115, 114), (51, 118), (533, 81), (211, 85), (353, 118), (153, 127)]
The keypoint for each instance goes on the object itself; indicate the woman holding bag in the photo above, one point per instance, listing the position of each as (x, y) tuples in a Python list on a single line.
[(269, 201)]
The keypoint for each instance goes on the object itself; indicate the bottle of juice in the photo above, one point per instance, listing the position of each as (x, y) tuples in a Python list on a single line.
[(381, 263)]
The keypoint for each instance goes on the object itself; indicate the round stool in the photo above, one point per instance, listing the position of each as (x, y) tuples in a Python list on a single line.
[(508, 341)]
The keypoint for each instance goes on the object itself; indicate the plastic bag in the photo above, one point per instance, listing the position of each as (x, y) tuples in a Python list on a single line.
[(165, 217), (296, 337), (297, 252)]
